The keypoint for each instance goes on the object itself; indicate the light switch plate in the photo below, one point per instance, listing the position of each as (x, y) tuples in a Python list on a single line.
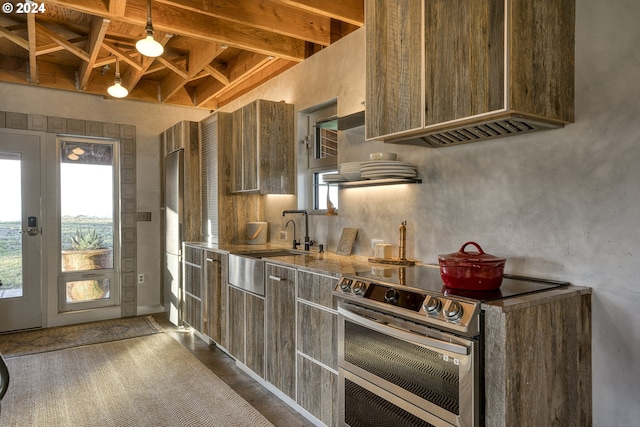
[(283, 235)]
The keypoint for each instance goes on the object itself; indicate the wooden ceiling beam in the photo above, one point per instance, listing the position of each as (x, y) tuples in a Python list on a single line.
[(96, 38), (201, 54), (122, 55), (63, 42), (175, 20), (217, 74), (351, 11), (117, 7), (33, 63), (274, 68), (131, 78), (268, 15), (10, 35), (45, 49), (173, 67)]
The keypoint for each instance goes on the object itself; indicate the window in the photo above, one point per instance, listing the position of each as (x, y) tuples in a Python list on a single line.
[(89, 226), (322, 149)]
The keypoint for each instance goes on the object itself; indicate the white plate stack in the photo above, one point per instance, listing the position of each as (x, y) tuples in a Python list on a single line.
[(333, 177), (350, 170), (379, 169)]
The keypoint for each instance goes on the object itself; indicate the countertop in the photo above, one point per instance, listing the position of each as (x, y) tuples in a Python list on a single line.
[(332, 264)]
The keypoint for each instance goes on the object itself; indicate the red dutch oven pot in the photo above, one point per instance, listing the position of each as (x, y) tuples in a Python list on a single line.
[(472, 271)]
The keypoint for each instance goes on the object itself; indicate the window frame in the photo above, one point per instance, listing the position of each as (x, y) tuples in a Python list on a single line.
[(314, 165), (111, 274)]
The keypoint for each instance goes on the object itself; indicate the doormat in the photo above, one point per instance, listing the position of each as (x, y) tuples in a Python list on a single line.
[(61, 337)]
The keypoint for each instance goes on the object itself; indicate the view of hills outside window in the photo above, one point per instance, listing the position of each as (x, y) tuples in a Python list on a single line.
[(10, 226)]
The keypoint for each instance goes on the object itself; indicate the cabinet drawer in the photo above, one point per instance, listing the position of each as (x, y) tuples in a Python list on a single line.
[(318, 391), (317, 332), (316, 288)]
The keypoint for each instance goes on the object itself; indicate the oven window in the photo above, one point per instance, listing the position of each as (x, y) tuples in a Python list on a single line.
[(418, 370), (366, 409)]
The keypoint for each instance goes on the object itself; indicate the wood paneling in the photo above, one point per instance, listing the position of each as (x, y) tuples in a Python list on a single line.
[(538, 362), (394, 95), (318, 391), (236, 309), (262, 148), (255, 333), (280, 315)]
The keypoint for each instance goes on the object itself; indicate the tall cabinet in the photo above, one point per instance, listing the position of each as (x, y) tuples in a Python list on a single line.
[(443, 73)]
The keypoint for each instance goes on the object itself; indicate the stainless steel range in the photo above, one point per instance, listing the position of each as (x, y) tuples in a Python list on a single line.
[(410, 349)]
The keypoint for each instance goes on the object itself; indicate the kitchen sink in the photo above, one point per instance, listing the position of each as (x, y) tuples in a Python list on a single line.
[(270, 253), (246, 269)]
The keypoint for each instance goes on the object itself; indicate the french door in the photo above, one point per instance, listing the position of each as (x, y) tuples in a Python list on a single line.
[(20, 231)]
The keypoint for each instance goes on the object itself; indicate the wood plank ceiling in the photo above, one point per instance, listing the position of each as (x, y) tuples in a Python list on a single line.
[(215, 50)]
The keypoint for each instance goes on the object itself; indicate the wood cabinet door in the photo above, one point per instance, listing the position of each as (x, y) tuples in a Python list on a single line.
[(237, 162), (212, 319), (394, 91), (255, 333), (192, 288), (277, 154), (318, 391), (280, 318), (236, 319), (250, 153), (464, 58)]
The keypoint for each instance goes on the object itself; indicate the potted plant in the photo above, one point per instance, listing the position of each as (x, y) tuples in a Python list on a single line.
[(88, 252)]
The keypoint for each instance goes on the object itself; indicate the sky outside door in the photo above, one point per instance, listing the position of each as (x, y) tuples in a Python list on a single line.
[(20, 232)]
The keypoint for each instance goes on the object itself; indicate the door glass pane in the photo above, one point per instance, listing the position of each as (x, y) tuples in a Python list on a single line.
[(87, 217), (10, 226)]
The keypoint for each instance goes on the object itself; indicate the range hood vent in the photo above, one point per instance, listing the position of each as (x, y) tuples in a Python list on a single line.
[(346, 123), (490, 129)]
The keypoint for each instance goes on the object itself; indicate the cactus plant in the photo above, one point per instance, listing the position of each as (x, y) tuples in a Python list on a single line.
[(90, 240)]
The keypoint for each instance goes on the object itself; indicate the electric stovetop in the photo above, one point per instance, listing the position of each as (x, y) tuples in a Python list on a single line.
[(427, 278)]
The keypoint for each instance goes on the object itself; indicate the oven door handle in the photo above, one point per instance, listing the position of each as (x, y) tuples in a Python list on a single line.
[(411, 336)]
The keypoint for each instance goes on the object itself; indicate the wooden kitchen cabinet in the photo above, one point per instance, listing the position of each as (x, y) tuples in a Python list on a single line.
[(481, 69), (317, 332), (192, 287), (538, 359), (246, 328), (262, 148), (280, 315), (254, 338), (236, 322), (214, 310)]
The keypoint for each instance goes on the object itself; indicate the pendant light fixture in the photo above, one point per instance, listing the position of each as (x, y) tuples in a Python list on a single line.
[(117, 90), (148, 46)]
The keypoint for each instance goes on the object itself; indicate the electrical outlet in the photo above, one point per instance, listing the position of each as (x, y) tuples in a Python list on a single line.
[(283, 235), (140, 278), (374, 242)]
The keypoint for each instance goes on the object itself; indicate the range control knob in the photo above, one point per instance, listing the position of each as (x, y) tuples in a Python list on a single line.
[(345, 285), (432, 305), (453, 310), (391, 296), (359, 288)]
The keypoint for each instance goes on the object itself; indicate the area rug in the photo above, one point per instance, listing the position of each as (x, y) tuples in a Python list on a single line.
[(145, 381), (61, 337)]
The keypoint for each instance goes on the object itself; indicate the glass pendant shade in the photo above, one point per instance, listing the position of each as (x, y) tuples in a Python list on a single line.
[(117, 90), (149, 47)]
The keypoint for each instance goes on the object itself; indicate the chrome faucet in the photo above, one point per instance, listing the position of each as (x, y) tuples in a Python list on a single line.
[(295, 242), (307, 242)]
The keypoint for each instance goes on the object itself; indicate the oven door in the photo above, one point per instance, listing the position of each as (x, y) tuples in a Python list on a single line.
[(397, 372)]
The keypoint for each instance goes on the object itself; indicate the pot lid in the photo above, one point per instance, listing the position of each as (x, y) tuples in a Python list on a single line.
[(475, 257)]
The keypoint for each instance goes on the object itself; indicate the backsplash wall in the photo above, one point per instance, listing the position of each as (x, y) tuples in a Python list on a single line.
[(560, 204)]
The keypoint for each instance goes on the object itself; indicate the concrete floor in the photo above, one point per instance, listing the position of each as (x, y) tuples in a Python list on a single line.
[(225, 368)]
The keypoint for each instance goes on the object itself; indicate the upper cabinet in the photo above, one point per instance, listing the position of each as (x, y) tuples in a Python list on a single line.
[(262, 149), (441, 73)]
